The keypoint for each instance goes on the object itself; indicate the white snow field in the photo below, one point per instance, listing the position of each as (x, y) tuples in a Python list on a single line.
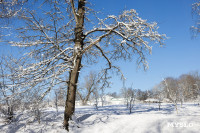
[(145, 118)]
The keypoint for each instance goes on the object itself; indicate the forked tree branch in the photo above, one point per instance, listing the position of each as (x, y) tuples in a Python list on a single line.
[(74, 10)]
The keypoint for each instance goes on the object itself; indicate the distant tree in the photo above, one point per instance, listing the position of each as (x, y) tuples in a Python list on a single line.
[(196, 85), (89, 87), (132, 97), (184, 89), (60, 93), (171, 88), (56, 100), (158, 93), (101, 95), (129, 95), (142, 95), (113, 94), (139, 94), (187, 82), (124, 92), (181, 90), (96, 96)]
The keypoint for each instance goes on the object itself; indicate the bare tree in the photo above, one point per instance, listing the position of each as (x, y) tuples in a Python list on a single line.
[(171, 87), (198, 91), (184, 88), (8, 66), (91, 85), (131, 96), (9, 96), (60, 95), (56, 100), (158, 92), (187, 81), (142, 95), (101, 95), (35, 103), (63, 38), (124, 92), (96, 97), (9, 92)]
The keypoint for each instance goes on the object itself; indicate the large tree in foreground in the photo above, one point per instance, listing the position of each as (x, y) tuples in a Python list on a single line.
[(62, 36)]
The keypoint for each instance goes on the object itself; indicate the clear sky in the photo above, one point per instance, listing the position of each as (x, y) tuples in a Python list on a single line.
[(181, 53)]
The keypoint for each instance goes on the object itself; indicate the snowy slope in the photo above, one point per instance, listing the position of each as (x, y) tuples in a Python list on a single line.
[(113, 119)]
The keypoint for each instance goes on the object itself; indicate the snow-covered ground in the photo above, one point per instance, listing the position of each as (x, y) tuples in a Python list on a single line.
[(145, 118)]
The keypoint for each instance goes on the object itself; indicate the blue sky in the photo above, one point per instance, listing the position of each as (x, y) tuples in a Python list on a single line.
[(181, 53)]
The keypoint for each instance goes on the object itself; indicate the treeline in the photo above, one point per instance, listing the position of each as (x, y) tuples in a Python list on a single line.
[(183, 88)]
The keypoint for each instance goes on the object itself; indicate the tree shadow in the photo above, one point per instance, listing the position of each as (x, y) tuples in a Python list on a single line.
[(15, 127), (84, 117), (137, 108)]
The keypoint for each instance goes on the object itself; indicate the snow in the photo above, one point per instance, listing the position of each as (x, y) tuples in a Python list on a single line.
[(111, 119), (151, 100)]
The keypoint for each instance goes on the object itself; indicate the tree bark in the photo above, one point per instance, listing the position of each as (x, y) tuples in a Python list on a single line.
[(71, 94), (74, 73)]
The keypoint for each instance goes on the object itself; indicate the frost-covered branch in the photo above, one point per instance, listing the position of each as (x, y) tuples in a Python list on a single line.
[(49, 47), (74, 10), (196, 15), (125, 34), (10, 8)]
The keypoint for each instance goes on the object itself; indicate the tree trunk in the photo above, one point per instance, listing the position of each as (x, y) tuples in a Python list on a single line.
[(159, 104), (175, 103), (102, 101), (74, 73), (131, 105), (181, 102), (71, 94)]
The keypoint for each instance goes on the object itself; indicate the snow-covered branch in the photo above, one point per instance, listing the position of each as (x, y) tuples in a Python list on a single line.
[(127, 32)]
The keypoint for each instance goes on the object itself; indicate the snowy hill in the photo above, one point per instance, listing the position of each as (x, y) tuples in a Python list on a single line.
[(111, 119)]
